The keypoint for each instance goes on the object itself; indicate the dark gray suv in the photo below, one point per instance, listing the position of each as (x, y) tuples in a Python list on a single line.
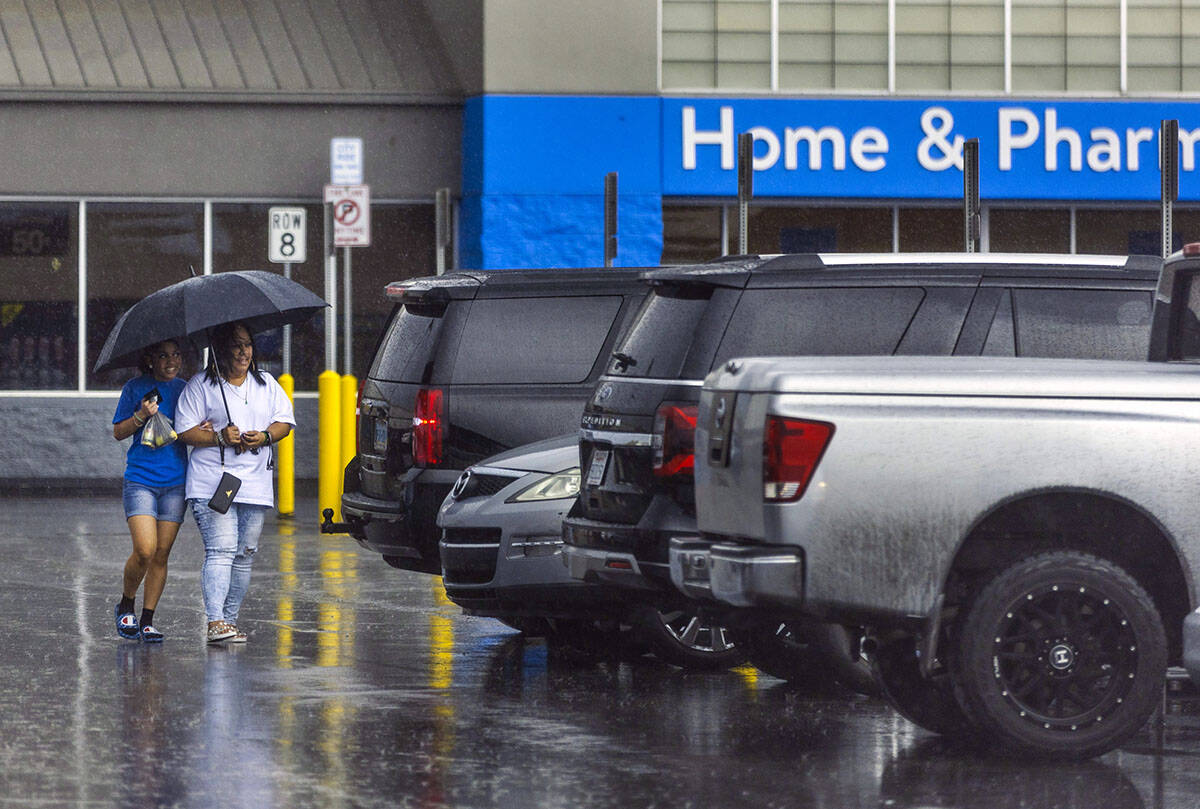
[(470, 364)]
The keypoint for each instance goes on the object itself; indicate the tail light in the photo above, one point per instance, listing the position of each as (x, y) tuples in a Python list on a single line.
[(428, 429), (792, 448), (674, 439)]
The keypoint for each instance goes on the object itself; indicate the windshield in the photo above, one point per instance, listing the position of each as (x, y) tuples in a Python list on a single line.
[(407, 351), (661, 334)]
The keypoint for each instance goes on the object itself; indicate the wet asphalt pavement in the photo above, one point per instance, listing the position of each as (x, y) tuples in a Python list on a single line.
[(362, 686)]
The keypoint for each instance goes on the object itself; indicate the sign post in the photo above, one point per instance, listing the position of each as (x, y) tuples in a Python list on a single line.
[(1168, 144), (745, 188), (286, 237), (971, 195), (351, 212), (610, 218), (286, 242), (441, 225)]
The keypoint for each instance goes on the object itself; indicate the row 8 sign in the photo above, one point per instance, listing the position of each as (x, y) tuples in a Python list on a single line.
[(904, 148)]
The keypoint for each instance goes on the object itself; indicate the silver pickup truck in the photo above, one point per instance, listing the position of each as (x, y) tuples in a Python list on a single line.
[(1019, 539)]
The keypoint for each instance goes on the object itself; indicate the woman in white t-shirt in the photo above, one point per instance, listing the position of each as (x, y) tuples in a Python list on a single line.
[(256, 413)]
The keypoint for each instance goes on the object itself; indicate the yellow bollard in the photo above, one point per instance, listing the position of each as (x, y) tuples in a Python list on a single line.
[(349, 424), (329, 452), (285, 456)]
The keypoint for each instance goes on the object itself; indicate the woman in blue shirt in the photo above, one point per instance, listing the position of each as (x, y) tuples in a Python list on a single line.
[(153, 489)]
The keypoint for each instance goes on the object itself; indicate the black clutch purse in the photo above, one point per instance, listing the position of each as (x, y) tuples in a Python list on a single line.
[(227, 488)]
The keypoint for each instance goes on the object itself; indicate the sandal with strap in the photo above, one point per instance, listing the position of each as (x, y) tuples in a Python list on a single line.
[(151, 635), (127, 623), (219, 631)]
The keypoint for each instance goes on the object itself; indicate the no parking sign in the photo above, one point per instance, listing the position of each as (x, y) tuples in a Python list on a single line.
[(351, 214)]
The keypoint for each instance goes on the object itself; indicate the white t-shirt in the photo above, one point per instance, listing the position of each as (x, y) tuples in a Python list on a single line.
[(252, 406)]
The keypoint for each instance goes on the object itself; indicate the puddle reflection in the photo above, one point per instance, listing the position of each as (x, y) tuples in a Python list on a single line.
[(933, 773)]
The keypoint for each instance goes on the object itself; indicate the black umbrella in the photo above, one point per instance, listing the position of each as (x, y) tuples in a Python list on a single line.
[(261, 300)]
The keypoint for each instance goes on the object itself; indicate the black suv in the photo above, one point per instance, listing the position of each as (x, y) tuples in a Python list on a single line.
[(470, 364), (637, 429)]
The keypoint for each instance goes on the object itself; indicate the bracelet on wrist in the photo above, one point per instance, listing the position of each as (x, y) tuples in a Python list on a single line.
[(137, 421)]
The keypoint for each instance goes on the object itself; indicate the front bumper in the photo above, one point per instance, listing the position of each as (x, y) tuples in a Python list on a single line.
[(739, 575), (501, 559)]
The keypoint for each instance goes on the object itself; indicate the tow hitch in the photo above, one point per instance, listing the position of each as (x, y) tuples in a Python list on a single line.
[(328, 526)]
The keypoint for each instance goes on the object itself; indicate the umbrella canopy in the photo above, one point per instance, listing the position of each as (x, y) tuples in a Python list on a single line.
[(261, 300)]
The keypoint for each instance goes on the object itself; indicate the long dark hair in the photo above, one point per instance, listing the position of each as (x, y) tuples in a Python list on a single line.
[(222, 342)]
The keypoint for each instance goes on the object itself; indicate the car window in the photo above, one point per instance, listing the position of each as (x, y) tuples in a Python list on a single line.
[(534, 340), (661, 333), (819, 322), (1084, 323), (408, 347)]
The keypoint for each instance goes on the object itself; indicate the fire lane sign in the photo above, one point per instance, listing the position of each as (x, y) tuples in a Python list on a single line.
[(351, 214), (285, 235)]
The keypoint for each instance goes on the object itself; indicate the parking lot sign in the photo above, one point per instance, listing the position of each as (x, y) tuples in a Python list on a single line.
[(346, 161), (285, 237), (351, 214)]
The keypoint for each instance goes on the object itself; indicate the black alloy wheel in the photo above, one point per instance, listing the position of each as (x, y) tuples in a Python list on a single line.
[(684, 638), (1061, 655)]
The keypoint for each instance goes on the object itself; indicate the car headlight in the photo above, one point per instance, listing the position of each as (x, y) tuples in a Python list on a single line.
[(559, 486)]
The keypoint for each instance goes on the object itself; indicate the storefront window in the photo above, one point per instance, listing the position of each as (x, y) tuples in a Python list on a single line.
[(691, 233), (820, 230), (135, 248), (1029, 230), (39, 296), (932, 230)]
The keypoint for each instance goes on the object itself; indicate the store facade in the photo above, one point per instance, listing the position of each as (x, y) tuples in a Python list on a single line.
[(142, 147)]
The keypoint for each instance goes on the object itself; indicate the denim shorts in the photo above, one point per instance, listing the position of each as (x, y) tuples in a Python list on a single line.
[(160, 502)]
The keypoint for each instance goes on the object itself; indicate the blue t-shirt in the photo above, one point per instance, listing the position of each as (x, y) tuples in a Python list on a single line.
[(165, 466)]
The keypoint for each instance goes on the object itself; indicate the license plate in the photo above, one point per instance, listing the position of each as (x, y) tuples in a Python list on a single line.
[(381, 431), (595, 475)]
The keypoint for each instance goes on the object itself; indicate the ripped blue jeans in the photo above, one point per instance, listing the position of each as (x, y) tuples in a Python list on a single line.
[(230, 542)]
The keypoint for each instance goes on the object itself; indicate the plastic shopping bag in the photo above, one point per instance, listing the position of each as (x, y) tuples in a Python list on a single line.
[(158, 431)]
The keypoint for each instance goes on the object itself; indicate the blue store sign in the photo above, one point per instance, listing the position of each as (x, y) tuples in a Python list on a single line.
[(883, 148), (534, 166)]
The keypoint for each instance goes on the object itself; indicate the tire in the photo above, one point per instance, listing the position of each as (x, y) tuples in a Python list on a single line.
[(809, 653), (927, 703), (1062, 655), (685, 639)]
